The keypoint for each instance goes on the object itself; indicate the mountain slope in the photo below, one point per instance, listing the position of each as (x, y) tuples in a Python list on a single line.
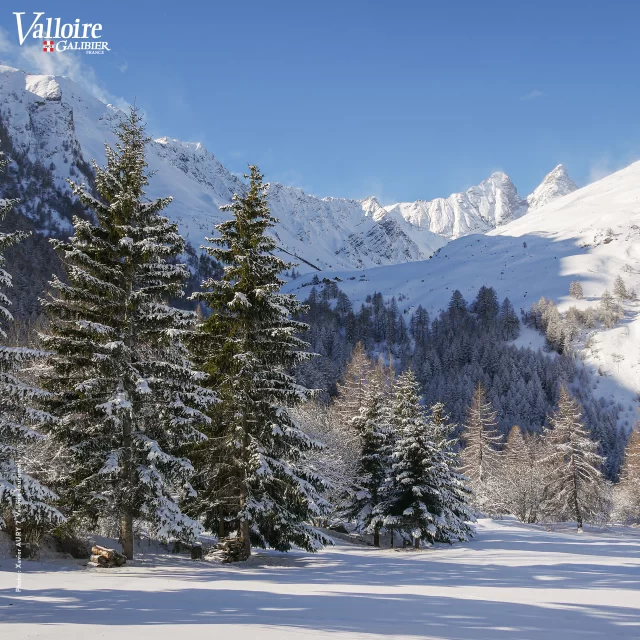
[(56, 123), (591, 235), (53, 121)]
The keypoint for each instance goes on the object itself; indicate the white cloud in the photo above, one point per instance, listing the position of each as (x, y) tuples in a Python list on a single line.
[(123, 67), (33, 60), (533, 95)]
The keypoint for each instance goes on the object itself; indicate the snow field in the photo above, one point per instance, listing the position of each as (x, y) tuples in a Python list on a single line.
[(511, 581)]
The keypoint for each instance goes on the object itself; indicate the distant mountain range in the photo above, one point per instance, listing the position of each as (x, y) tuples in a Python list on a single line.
[(56, 123)]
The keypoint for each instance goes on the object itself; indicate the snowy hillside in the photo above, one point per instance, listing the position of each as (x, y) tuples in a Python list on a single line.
[(591, 235), (54, 121)]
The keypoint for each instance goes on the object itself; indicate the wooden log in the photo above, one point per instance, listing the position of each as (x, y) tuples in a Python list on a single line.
[(97, 550), (119, 560), (106, 558)]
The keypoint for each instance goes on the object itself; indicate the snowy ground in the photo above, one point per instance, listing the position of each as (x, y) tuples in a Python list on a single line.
[(512, 581)]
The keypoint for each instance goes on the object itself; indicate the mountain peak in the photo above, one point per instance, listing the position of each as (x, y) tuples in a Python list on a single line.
[(499, 176), (556, 183)]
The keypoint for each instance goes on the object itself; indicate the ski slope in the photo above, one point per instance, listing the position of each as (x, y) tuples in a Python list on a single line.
[(591, 235), (511, 581)]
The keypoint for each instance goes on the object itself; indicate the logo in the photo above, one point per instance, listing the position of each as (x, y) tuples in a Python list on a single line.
[(57, 36)]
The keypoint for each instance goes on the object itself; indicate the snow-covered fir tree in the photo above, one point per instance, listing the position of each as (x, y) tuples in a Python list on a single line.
[(123, 391), (19, 420), (252, 472), (480, 457), (508, 322), (372, 424), (453, 486), (425, 498), (575, 485), (486, 306)]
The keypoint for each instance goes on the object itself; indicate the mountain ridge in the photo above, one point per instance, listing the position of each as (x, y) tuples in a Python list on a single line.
[(61, 126)]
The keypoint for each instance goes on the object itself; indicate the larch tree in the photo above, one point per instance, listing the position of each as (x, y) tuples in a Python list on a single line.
[(620, 289), (22, 496), (575, 484), (609, 310), (124, 394), (480, 458), (575, 290), (352, 387), (253, 475), (627, 493), (521, 476)]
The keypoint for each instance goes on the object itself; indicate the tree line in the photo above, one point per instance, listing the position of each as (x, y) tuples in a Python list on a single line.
[(384, 447)]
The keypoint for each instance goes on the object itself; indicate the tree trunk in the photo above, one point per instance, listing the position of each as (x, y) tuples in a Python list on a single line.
[(220, 528), (126, 531), (127, 534), (416, 543), (246, 536), (392, 542), (376, 536), (576, 503)]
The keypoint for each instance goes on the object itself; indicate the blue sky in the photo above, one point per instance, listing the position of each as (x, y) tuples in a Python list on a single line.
[(402, 100)]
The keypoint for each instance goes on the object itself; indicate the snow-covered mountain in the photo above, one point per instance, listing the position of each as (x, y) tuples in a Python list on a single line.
[(555, 184), (57, 123), (591, 235), (494, 202)]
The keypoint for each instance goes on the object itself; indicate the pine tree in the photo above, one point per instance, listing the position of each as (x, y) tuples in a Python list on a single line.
[(20, 423), (457, 304), (124, 393), (425, 497), (252, 473), (481, 456), (453, 487), (486, 306), (373, 429), (508, 321), (574, 481)]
